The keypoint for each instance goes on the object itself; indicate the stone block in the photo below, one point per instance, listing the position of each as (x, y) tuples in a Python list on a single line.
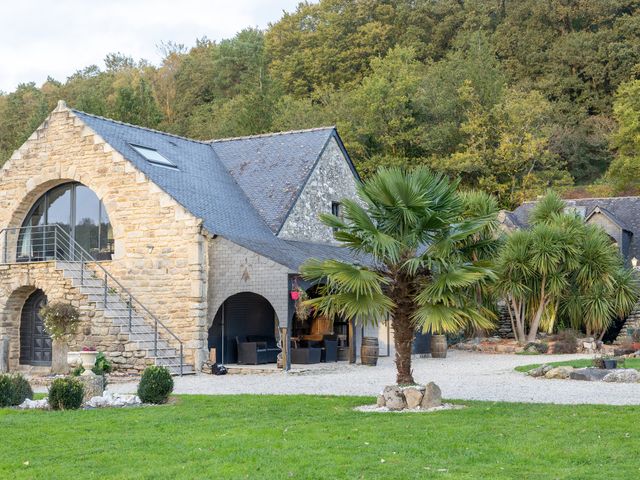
[(432, 396), (622, 375), (413, 396), (394, 398), (93, 385), (588, 374), (559, 372)]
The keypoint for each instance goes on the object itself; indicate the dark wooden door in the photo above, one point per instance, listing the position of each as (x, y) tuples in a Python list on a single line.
[(35, 342)]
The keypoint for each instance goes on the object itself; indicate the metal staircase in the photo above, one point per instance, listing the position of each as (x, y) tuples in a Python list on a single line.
[(53, 243)]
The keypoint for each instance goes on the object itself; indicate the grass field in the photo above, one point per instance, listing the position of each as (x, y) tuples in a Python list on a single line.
[(586, 362), (314, 437)]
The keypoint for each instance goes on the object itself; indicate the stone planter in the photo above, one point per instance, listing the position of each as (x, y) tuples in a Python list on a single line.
[(73, 358), (88, 359)]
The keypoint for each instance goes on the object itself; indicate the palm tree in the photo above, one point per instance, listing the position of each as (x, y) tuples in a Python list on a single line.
[(563, 267), (413, 238)]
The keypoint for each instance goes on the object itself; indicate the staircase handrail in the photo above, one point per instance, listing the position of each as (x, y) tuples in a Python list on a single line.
[(87, 258)]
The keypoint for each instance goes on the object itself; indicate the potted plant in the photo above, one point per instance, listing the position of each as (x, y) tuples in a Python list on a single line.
[(61, 321), (610, 363), (88, 358)]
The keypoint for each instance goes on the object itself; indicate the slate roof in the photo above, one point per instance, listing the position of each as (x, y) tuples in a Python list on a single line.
[(209, 182), (625, 211), (273, 169)]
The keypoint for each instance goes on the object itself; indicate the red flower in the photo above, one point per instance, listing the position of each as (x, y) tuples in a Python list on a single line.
[(295, 295)]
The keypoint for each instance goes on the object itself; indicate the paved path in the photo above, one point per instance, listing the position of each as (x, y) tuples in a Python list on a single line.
[(463, 375)]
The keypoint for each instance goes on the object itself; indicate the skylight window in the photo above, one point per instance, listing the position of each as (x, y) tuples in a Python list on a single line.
[(153, 156)]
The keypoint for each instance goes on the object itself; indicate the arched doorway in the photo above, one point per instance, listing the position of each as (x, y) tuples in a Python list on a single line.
[(35, 342), (78, 211), (244, 316)]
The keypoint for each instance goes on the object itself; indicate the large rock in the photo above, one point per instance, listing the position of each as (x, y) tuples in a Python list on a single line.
[(540, 371), (432, 396), (588, 374), (109, 399), (413, 396), (381, 402), (559, 372), (623, 375), (394, 398), (93, 385)]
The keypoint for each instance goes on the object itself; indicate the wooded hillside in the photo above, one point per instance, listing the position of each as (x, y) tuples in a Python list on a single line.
[(512, 95)]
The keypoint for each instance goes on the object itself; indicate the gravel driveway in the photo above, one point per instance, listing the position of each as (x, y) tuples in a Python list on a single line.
[(462, 375)]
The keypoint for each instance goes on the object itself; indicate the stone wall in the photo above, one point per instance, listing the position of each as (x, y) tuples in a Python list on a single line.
[(234, 269), (613, 230), (331, 181), (18, 282), (160, 252)]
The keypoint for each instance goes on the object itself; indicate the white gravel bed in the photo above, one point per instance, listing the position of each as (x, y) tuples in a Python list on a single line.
[(462, 375)]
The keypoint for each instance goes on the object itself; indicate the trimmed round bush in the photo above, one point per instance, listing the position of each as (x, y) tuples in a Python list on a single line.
[(14, 389), (66, 394), (155, 385)]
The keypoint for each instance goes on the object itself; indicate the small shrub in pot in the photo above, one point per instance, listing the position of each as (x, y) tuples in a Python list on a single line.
[(14, 389), (66, 394), (155, 385)]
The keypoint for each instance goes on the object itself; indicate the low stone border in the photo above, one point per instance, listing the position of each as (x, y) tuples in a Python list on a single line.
[(589, 374), (377, 409), (106, 400)]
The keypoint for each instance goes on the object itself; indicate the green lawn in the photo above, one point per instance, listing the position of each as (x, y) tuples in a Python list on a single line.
[(586, 362), (320, 437)]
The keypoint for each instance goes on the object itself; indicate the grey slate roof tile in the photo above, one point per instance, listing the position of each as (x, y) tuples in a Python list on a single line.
[(623, 210), (213, 189), (272, 169)]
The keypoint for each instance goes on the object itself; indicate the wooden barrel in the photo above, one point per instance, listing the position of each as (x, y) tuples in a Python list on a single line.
[(439, 346), (369, 351)]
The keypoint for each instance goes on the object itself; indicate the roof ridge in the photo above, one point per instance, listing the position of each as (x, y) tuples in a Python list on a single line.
[(271, 134), (153, 130)]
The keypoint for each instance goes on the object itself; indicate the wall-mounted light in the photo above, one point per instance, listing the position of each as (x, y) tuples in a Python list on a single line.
[(149, 249)]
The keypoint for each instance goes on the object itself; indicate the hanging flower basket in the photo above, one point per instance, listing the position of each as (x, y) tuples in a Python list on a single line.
[(302, 310)]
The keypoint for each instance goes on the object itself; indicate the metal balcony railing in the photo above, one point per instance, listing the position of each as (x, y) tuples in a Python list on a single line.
[(45, 243)]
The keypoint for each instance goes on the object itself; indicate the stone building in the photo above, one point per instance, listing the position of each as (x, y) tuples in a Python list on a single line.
[(165, 244), (618, 216)]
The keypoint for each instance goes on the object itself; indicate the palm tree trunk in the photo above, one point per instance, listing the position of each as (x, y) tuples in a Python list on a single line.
[(403, 338)]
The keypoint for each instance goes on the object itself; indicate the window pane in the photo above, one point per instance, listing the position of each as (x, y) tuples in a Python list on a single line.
[(59, 210), (153, 156), (87, 219), (106, 233)]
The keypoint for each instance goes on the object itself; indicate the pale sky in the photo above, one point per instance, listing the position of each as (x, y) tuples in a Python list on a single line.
[(59, 37)]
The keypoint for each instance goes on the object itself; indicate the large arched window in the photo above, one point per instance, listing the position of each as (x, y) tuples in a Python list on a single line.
[(76, 209)]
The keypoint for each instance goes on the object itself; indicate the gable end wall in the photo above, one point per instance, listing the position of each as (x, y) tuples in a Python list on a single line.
[(331, 181)]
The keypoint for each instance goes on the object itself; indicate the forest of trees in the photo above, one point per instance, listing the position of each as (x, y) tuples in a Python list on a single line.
[(514, 96)]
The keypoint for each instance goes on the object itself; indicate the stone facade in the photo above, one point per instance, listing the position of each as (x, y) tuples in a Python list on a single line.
[(18, 282), (160, 252), (331, 181), (234, 269), (180, 272)]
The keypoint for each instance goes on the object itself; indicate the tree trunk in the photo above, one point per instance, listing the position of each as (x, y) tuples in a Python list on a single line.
[(403, 338), (59, 353)]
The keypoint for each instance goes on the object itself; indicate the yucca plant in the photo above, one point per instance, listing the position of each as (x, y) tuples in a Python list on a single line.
[(562, 266), (415, 238)]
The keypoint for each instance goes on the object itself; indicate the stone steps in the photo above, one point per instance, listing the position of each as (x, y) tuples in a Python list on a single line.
[(140, 332)]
